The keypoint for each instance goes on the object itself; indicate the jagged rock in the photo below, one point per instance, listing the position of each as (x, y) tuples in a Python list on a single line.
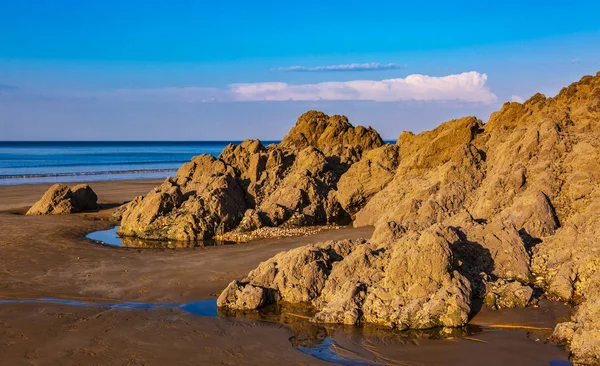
[(202, 200), (582, 333), (239, 296), (302, 197), (118, 212), (327, 134), (367, 177), (406, 283), (502, 294), (496, 249), (437, 171), (514, 200), (249, 185), (59, 199)]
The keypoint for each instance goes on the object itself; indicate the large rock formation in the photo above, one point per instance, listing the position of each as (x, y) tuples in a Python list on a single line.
[(60, 199), (249, 185), (401, 278), (203, 199), (514, 204)]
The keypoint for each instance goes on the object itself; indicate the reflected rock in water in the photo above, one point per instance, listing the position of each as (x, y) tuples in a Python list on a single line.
[(110, 237)]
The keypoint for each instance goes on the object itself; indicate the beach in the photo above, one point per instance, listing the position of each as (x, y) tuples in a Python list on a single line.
[(49, 257)]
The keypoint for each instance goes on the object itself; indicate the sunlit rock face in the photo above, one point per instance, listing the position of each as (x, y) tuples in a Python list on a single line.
[(249, 185), (60, 199), (502, 207)]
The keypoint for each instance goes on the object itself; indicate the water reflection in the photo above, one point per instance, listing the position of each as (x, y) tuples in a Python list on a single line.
[(202, 307), (338, 344), (110, 237)]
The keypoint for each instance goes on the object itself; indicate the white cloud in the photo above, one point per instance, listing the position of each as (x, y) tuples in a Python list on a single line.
[(369, 66), (468, 86), (517, 98), (465, 87)]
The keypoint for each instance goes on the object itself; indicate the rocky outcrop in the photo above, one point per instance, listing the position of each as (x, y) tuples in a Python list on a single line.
[(60, 199), (203, 199), (437, 171), (407, 282), (516, 202), (250, 186), (330, 134)]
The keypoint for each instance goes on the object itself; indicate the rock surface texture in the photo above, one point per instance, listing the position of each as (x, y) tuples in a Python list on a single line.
[(250, 186), (462, 211), (60, 199)]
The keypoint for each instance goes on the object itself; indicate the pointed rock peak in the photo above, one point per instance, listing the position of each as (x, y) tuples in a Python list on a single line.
[(319, 130)]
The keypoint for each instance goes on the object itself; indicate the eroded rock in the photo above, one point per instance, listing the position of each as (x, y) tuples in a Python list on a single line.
[(250, 186), (503, 294), (410, 282), (60, 199)]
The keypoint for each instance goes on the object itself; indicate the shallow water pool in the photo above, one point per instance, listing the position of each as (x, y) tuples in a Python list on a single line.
[(110, 237)]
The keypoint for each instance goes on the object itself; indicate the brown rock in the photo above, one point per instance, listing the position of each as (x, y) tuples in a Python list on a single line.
[(59, 200), (408, 283), (202, 200), (323, 132), (367, 177), (239, 296), (502, 294)]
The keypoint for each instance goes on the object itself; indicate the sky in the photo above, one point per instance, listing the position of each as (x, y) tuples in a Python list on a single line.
[(230, 70)]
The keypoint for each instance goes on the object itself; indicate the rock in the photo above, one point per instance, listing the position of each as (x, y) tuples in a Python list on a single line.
[(59, 200), (202, 200), (299, 275), (484, 209), (367, 177), (295, 276), (239, 296), (118, 212), (250, 186), (303, 196), (503, 294), (496, 249), (84, 198), (437, 171), (406, 283), (327, 133), (582, 333)]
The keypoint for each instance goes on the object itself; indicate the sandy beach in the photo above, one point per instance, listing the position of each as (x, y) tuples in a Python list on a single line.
[(49, 257)]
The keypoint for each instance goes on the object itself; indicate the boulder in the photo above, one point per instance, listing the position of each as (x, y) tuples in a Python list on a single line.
[(410, 282), (240, 296), (503, 294), (60, 199)]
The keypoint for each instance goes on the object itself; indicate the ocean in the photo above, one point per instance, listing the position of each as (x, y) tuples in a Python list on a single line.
[(75, 161)]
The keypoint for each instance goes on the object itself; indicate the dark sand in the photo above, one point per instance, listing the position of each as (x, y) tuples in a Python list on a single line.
[(50, 257)]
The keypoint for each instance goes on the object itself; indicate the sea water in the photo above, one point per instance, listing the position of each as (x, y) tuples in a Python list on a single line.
[(77, 161)]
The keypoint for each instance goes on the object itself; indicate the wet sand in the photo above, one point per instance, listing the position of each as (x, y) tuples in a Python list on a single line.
[(49, 257)]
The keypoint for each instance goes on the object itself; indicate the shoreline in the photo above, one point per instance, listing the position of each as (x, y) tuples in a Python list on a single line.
[(55, 260)]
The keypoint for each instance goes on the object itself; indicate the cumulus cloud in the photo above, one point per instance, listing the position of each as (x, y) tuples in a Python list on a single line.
[(369, 66), (465, 87), (517, 98), (468, 86)]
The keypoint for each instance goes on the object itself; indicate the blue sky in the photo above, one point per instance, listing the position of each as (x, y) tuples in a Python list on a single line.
[(89, 70)]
